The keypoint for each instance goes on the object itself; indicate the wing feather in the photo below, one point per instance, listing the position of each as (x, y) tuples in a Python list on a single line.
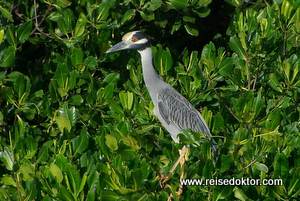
[(180, 112)]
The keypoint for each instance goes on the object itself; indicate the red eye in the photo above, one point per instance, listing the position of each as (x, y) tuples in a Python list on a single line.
[(134, 39)]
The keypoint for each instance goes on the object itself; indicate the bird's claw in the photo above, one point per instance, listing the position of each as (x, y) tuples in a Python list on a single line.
[(163, 179)]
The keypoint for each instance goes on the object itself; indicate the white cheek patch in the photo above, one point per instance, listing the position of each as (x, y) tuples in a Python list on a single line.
[(127, 36), (142, 41)]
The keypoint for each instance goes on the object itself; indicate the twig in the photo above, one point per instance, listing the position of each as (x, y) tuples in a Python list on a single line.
[(35, 14), (252, 162), (37, 24)]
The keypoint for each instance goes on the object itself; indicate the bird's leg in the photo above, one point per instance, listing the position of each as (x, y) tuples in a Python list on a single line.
[(183, 154)]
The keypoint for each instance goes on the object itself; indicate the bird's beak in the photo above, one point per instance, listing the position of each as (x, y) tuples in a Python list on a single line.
[(123, 45)]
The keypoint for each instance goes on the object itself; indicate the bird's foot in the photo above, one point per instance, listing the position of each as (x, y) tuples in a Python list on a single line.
[(183, 155), (163, 179)]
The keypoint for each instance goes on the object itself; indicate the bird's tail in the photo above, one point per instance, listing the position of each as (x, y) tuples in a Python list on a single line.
[(214, 150)]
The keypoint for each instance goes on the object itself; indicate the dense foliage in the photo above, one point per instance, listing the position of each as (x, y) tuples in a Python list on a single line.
[(77, 124)]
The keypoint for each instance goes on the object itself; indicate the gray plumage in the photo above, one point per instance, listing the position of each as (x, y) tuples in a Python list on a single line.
[(175, 109), (174, 112), (178, 113)]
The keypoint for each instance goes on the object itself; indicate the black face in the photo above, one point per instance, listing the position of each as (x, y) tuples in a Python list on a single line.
[(132, 40), (139, 36)]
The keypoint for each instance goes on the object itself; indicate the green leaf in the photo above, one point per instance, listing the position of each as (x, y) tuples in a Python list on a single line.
[(111, 142), (188, 137), (273, 119), (208, 56), (24, 31), (7, 158), (82, 183), (286, 9), (68, 19), (76, 56), (207, 115), (286, 66), (218, 122), (294, 186), (7, 57), (112, 78), (281, 165), (189, 19), (163, 59), (147, 16), (239, 194), (65, 118), (56, 172), (102, 12), (65, 22), (76, 100), (81, 142), (70, 172), (176, 26), (178, 4), (8, 180), (131, 142), (55, 16), (28, 171), (90, 195), (31, 147), (66, 194), (80, 25), (63, 3), (1, 118), (190, 30), (128, 16), (38, 94), (62, 79), (204, 2), (261, 167), (274, 83), (44, 152), (10, 36), (108, 92), (91, 62), (21, 85), (236, 45), (153, 5), (21, 126), (6, 14), (1, 35), (204, 12), (126, 99), (226, 162)]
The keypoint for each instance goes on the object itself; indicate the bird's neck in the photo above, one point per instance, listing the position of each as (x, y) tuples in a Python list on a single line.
[(151, 78)]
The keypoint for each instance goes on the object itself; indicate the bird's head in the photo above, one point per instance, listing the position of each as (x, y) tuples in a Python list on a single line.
[(132, 40)]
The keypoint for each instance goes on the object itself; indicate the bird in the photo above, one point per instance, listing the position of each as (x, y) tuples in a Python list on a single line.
[(173, 110)]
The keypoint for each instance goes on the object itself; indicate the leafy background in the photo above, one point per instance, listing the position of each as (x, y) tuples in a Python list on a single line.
[(77, 124)]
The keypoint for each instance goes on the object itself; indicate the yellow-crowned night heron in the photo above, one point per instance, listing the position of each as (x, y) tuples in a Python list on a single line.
[(174, 112)]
